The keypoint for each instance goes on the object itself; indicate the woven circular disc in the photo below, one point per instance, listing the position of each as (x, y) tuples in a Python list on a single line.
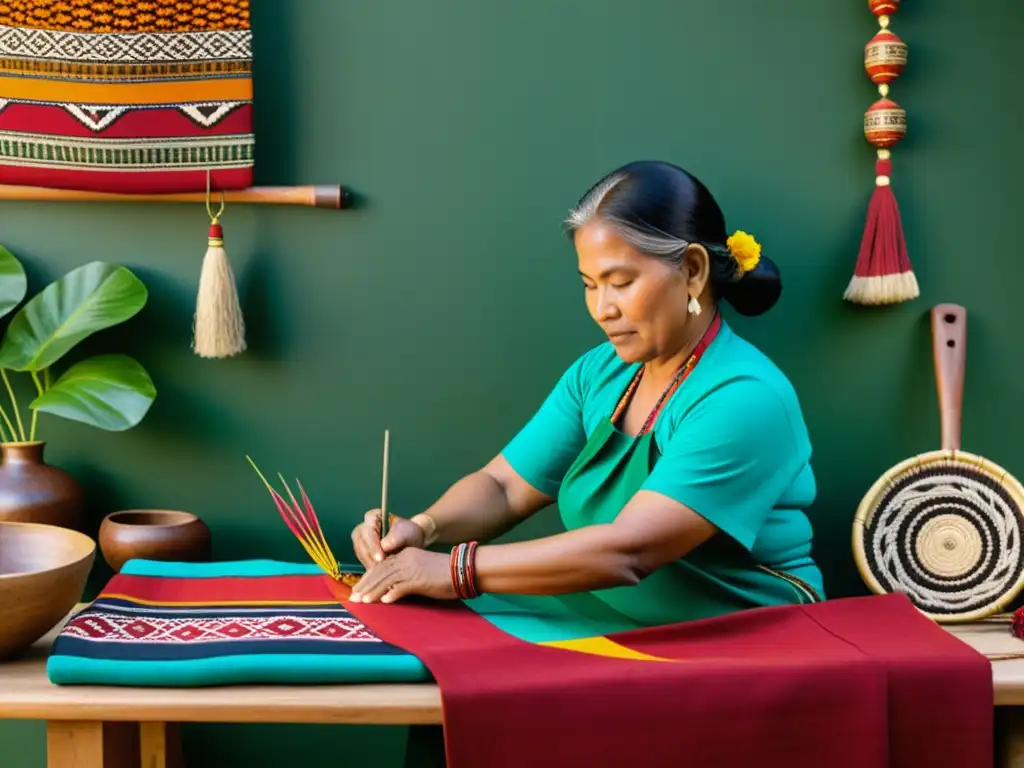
[(947, 530)]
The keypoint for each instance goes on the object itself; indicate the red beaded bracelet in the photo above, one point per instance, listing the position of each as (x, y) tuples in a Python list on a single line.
[(463, 570)]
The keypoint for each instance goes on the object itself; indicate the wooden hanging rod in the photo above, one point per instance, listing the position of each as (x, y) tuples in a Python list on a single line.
[(315, 196)]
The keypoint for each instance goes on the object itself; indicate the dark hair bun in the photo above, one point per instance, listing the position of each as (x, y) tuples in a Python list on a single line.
[(757, 291)]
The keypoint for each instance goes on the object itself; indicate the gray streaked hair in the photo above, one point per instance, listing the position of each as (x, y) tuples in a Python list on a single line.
[(661, 210), (645, 237)]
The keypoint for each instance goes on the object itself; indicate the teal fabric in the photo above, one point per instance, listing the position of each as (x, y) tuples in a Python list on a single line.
[(544, 618), (288, 669), (731, 444)]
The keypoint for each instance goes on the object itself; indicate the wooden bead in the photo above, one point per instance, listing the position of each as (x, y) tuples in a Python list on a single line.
[(883, 7), (885, 123), (885, 56)]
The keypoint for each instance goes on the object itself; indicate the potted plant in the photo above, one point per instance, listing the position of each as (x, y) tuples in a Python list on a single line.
[(108, 391)]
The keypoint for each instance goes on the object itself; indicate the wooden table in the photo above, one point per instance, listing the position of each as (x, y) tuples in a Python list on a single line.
[(993, 639), (111, 727), (108, 727)]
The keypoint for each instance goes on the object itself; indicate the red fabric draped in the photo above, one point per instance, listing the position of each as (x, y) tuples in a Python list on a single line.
[(849, 683)]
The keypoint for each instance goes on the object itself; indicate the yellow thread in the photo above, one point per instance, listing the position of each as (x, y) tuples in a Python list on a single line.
[(317, 546), (134, 599), (312, 536)]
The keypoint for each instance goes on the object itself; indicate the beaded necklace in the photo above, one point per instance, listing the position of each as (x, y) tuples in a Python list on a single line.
[(677, 380)]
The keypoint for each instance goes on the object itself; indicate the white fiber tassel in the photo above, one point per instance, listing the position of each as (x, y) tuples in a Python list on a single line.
[(219, 329)]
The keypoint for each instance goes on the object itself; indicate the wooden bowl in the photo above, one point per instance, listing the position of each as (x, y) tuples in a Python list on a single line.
[(43, 570), (153, 534)]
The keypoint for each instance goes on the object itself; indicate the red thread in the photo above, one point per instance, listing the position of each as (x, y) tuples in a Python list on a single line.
[(883, 249)]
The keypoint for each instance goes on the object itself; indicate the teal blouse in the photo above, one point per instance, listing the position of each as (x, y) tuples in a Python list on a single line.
[(731, 444)]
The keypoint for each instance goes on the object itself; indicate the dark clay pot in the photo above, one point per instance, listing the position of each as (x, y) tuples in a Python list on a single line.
[(153, 534), (31, 491)]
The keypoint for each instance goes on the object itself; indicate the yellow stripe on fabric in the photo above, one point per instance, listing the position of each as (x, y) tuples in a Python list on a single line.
[(194, 604), (602, 646), (127, 94), (121, 72)]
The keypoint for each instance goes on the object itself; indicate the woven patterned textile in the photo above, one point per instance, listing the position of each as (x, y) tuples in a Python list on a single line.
[(216, 624), (126, 96)]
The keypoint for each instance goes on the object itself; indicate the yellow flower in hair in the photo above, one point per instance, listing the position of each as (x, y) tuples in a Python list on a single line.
[(745, 249)]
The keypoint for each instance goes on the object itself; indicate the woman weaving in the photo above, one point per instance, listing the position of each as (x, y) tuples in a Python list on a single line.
[(676, 451)]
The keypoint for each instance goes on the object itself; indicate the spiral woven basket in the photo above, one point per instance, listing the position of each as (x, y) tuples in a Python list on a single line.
[(946, 529)]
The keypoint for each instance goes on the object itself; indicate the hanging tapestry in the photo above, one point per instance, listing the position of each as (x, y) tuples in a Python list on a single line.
[(126, 96)]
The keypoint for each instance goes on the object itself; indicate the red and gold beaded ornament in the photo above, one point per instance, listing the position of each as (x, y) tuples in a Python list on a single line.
[(883, 273)]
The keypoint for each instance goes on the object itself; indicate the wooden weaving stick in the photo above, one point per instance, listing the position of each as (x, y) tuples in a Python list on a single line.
[(384, 487), (314, 196)]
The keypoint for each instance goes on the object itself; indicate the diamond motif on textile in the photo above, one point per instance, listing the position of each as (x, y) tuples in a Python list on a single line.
[(106, 48), (146, 47), (37, 44), (333, 630), (119, 48), (235, 630), (73, 48), (187, 632), (100, 626), (183, 47), (92, 627), (284, 627), (140, 629)]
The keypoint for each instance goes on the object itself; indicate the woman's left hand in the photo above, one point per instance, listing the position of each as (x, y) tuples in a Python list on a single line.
[(410, 572)]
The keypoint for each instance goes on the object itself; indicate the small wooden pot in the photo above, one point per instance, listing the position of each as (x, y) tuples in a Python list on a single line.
[(153, 534)]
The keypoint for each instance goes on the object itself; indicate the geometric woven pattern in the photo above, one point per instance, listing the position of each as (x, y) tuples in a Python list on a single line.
[(131, 96), (272, 623), (38, 150), (103, 626), (120, 48)]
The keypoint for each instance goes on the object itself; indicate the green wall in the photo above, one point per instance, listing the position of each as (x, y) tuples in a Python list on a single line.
[(469, 128)]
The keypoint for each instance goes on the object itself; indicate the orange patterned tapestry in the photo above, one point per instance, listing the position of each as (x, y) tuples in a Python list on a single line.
[(126, 96)]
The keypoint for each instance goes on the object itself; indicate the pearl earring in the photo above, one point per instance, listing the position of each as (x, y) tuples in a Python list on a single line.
[(694, 306)]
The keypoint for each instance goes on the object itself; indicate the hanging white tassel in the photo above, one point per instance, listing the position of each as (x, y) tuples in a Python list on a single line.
[(218, 329)]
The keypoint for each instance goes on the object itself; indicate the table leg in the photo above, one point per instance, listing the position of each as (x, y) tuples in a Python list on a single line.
[(89, 744), (160, 745), (86, 744)]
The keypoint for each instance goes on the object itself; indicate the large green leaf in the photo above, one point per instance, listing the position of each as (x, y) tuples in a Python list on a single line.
[(84, 301), (12, 282), (112, 392)]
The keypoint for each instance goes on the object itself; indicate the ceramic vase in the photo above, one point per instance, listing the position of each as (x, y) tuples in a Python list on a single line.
[(153, 534), (32, 491)]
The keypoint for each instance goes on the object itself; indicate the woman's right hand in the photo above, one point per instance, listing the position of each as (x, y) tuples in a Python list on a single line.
[(370, 549)]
